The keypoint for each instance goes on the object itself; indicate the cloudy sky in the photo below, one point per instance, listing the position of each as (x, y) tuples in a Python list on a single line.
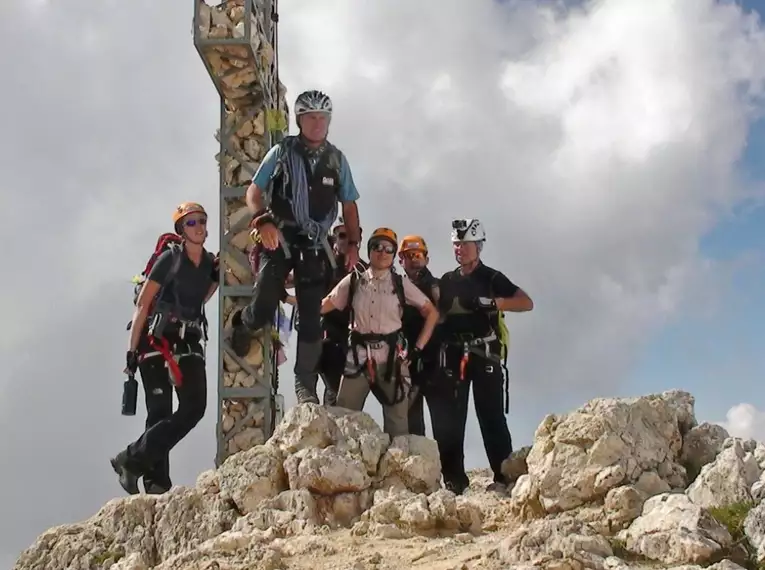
[(613, 153)]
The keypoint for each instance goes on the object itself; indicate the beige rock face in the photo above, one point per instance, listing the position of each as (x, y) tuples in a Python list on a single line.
[(701, 445), (673, 530), (562, 542), (244, 75), (729, 478), (577, 458), (330, 490), (311, 474)]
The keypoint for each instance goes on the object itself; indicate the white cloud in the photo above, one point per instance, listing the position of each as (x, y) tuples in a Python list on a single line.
[(594, 143), (745, 421)]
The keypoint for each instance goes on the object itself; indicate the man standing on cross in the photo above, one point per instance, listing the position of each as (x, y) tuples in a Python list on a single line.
[(302, 178)]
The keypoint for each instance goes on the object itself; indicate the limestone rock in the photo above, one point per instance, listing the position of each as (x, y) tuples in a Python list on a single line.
[(414, 460), (330, 490), (290, 512), (728, 479), (701, 445), (673, 530), (515, 465), (754, 528), (623, 505), (251, 476), (362, 437), (305, 426), (560, 542), (411, 513), (326, 471), (579, 457), (139, 531)]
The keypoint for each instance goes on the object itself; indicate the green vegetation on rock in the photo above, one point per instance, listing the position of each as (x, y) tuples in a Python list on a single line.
[(741, 551)]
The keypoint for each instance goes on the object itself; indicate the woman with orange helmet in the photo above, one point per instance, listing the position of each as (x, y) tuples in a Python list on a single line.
[(378, 351), (167, 334)]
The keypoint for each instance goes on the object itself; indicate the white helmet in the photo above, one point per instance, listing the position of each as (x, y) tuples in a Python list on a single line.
[(468, 230), (311, 102)]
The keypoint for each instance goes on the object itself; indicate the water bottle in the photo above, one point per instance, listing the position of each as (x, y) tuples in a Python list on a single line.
[(129, 396)]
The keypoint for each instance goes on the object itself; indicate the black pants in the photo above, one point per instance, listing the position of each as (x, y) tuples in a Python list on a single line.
[(448, 403), (310, 266), (423, 380), (149, 454), (331, 367)]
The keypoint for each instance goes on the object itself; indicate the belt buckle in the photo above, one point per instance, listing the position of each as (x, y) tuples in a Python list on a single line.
[(375, 344)]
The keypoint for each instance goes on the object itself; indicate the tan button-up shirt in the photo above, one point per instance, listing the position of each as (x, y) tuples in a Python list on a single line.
[(375, 303)]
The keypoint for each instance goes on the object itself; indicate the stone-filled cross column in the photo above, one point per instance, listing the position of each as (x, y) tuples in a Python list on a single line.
[(237, 43)]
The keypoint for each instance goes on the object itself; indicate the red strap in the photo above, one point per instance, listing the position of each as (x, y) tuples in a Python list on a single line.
[(163, 347)]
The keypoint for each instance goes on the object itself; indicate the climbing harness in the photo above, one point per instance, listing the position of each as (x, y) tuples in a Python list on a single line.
[(480, 347), (395, 341), (397, 352), (470, 345), (161, 347), (162, 314)]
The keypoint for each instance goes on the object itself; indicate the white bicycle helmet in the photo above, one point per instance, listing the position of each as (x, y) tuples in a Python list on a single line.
[(468, 229), (313, 101)]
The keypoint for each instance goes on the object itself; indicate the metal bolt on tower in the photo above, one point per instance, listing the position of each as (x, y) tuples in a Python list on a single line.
[(237, 41)]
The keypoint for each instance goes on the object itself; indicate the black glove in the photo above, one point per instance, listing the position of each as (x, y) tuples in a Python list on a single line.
[(415, 359), (478, 304), (131, 362)]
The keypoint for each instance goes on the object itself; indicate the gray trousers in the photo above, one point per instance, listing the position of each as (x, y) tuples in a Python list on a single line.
[(354, 391)]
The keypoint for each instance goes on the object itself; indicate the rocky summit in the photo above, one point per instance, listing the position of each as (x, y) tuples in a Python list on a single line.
[(616, 484)]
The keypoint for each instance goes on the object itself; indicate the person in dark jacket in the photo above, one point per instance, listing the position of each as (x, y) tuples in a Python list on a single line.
[(166, 344), (413, 256), (472, 300), (336, 324)]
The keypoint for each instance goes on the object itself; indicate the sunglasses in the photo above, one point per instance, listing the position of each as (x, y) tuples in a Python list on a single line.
[(382, 247), (192, 223)]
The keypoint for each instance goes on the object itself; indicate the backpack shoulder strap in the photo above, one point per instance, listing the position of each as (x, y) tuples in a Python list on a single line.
[(177, 250), (334, 158), (398, 287), (351, 291), (352, 288)]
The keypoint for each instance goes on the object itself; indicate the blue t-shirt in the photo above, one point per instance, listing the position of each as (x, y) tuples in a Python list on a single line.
[(347, 192)]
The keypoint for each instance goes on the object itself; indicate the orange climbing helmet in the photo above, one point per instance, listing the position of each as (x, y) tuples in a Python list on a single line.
[(184, 210), (414, 244), (386, 234)]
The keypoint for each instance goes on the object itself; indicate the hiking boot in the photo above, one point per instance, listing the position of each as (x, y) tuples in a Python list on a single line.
[(153, 488), (497, 487), (305, 396), (128, 478), (454, 487), (306, 371), (241, 337), (330, 398)]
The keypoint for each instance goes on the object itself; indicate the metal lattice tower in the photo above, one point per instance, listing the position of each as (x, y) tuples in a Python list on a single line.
[(237, 41)]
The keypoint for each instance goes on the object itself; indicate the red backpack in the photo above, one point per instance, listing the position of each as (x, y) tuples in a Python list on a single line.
[(165, 241)]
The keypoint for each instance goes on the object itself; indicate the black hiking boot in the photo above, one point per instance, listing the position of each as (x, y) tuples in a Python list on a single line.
[(153, 488), (455, 487), (128, 479), (241, 337), (306, 371)]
